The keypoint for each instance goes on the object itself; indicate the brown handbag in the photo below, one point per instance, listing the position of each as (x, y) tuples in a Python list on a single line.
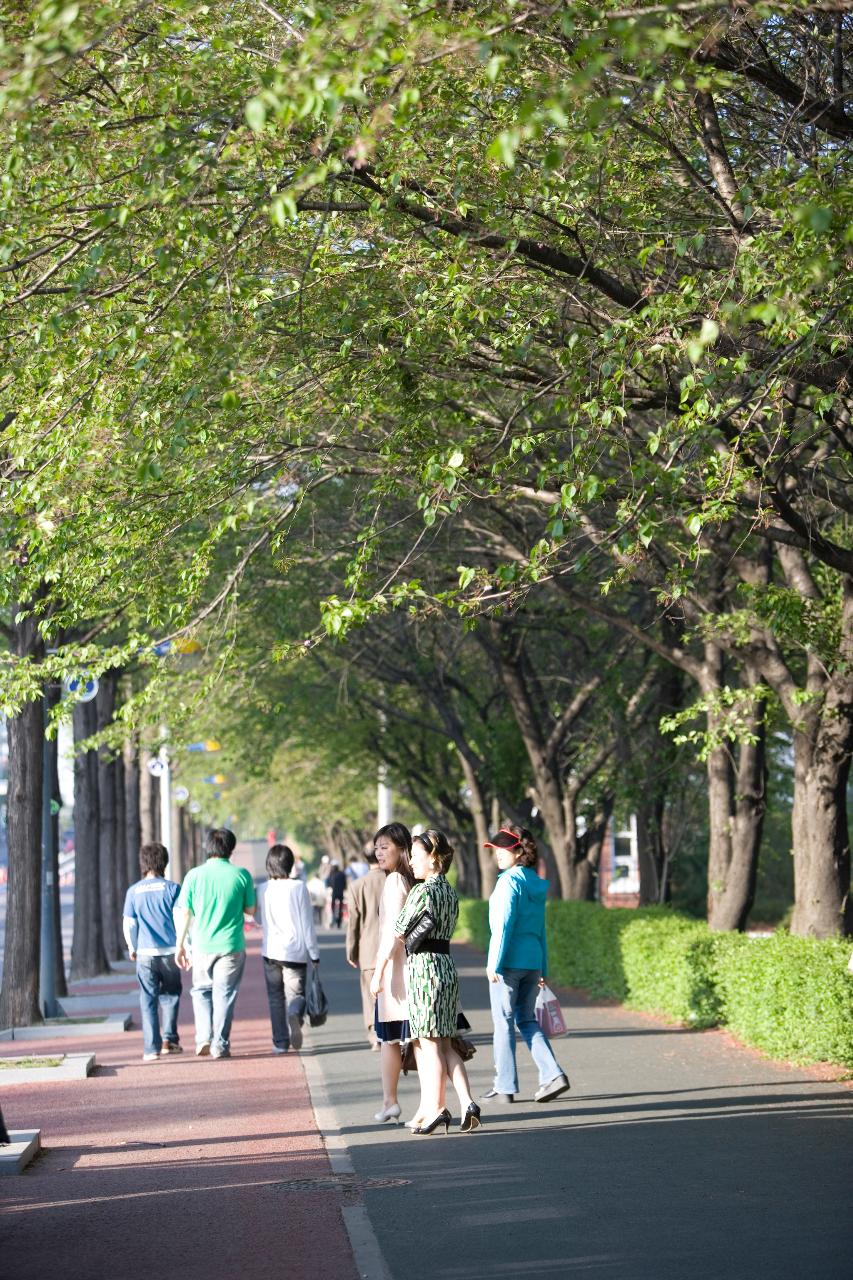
[(463, 1047)]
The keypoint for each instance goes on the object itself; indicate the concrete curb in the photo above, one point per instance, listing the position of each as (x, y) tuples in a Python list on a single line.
[(369, 1261), (115, 1002), (74, 1066), (24, 1147), (113, 1024), (121, 971)]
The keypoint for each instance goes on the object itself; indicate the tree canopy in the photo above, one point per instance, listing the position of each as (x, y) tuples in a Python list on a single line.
[(467, 348)]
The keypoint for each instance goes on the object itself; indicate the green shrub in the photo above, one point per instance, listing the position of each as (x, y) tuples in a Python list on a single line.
[(791, 997), (585, 944), (583, 947), (669, 968)]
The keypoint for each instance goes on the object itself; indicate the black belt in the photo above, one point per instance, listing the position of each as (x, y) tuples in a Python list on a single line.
[(438, 946)]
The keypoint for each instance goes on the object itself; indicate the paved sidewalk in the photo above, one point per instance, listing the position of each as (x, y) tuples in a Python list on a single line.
[(179, 1169), (677, 1156)]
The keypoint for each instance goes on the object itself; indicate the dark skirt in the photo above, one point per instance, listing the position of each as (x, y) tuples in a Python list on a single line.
[(390, 1032)]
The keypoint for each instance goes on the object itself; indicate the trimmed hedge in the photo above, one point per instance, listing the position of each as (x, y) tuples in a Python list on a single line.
[(791, 997)]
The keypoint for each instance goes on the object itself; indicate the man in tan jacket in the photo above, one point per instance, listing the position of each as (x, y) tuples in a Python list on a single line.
[(363, 897)]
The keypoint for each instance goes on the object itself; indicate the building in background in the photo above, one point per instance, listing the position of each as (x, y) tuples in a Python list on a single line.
[(619, 869)]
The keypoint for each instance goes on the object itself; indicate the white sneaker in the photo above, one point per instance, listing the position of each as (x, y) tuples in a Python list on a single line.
[(276, 1049), (295, 1031), (150, 1057), (169, 1046), (203, 1050)]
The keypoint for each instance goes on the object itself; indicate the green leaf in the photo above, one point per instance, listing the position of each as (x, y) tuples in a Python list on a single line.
[(256, 114)]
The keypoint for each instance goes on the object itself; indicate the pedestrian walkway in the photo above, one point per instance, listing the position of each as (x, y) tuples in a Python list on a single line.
[(677, 1156), (187, 1167)]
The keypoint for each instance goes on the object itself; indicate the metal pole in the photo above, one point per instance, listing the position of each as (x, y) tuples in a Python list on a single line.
[(47, 958), (384, 798), (165, 800)]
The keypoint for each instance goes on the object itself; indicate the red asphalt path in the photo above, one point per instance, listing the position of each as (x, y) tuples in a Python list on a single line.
[(173, 1169)]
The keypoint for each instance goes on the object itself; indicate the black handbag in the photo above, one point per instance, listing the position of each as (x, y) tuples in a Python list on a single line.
[(316, 1004), (418, 932)]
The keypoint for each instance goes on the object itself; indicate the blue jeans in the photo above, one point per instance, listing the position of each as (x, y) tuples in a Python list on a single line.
[(216, 981), (286, 997), (513, 1000), (159, 981)]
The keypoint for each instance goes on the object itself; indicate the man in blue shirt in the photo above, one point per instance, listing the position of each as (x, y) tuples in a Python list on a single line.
[(149, 931)]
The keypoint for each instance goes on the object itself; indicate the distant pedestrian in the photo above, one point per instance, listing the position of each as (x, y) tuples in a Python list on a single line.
[(517, 966), (433, 985), (363, 898), (317, 894), (338, 884), (392, 844), (289, 943), (357, 867), (214, 898), (149, 931)]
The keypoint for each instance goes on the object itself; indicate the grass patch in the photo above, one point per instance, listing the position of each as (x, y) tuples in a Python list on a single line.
[(15, 1064), (64, 1022)]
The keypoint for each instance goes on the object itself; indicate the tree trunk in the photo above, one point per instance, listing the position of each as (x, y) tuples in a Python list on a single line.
[(175, 845), (821, 835), (561, 838), (60, 983), (195, 843), (132, 812), (107, 842), (649, 853), (819, 821), (122, 881), (659, 755), (592, 845), (736, 806), (19, 996), (149, 795), (88, 956), (486, 866), (734, 904)]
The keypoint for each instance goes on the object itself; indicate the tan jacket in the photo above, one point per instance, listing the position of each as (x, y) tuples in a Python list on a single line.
[(392, 998), (363, 898)]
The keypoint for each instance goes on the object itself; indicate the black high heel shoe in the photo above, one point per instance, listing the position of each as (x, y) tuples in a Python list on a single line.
[(471, 1119), (443, 1117)]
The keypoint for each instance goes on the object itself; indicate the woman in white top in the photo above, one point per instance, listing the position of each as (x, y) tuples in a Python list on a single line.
[(392, 845), (290, 941)]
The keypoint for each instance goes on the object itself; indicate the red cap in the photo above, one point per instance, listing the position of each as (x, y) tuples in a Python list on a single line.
[(503, 840)]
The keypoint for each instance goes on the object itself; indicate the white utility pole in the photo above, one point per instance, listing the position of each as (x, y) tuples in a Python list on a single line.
[(384, 798)]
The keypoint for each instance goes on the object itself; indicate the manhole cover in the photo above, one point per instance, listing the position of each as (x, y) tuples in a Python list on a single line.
[(349, 1184)]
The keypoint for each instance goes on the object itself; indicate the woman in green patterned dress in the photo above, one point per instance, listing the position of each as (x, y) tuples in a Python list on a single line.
[(432, 985)]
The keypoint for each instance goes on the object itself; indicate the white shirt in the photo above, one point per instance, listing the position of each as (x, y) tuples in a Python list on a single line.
[(287, 918)]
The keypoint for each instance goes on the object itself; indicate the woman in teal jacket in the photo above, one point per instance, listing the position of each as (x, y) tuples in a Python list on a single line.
[(517, 966)]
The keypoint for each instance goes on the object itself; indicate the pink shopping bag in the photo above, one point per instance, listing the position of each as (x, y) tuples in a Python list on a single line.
[(549, 1015)]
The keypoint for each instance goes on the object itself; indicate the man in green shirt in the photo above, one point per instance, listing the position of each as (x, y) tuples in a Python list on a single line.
[(214, 898)]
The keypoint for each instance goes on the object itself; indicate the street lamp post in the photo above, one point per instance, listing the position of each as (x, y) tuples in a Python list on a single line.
[(384, 795), (165, 799), (384, 798)]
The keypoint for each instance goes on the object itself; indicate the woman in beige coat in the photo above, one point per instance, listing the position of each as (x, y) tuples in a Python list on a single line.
[(392, 844)]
